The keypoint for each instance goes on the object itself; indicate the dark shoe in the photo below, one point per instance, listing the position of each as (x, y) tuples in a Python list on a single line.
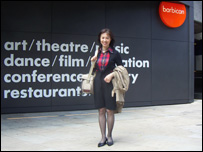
[(102, 144), (110, 143)]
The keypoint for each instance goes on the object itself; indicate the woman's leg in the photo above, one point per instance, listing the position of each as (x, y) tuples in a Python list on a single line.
[(110, 122), (102, 123)]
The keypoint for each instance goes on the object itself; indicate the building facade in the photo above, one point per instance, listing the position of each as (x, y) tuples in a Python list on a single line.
[(47, 46), (198, 48)]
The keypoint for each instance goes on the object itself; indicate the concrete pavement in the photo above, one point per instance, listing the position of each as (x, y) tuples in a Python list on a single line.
[(155, 128)]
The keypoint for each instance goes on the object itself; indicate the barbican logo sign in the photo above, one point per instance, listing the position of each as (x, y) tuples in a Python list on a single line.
[(172, 15)]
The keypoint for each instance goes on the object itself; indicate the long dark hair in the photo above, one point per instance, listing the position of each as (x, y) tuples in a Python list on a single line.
[(108, 31)]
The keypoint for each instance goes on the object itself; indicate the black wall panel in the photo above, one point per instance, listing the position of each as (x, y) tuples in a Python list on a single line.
[(129, 19), (78, 17), (159, 59), (27, 16), (169, 68)]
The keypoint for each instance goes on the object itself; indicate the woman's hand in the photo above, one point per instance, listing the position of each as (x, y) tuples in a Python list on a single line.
[(94, 58), (109, 77)]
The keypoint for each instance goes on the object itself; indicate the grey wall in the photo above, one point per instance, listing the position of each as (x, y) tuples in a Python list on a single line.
[(198, 11), (162, 58)]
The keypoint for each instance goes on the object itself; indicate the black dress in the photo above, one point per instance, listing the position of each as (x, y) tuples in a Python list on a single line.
[(102, 90)]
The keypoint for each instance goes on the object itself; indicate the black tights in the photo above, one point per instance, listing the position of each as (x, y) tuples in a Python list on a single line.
[(102, 123)]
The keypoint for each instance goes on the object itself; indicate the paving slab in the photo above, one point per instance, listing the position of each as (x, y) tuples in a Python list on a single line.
[(155, 128)]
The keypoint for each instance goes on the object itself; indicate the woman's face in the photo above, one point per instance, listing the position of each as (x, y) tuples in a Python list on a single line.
[(105, 40)]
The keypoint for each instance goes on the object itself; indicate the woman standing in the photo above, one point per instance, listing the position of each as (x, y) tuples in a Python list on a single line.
[(107, 58)]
